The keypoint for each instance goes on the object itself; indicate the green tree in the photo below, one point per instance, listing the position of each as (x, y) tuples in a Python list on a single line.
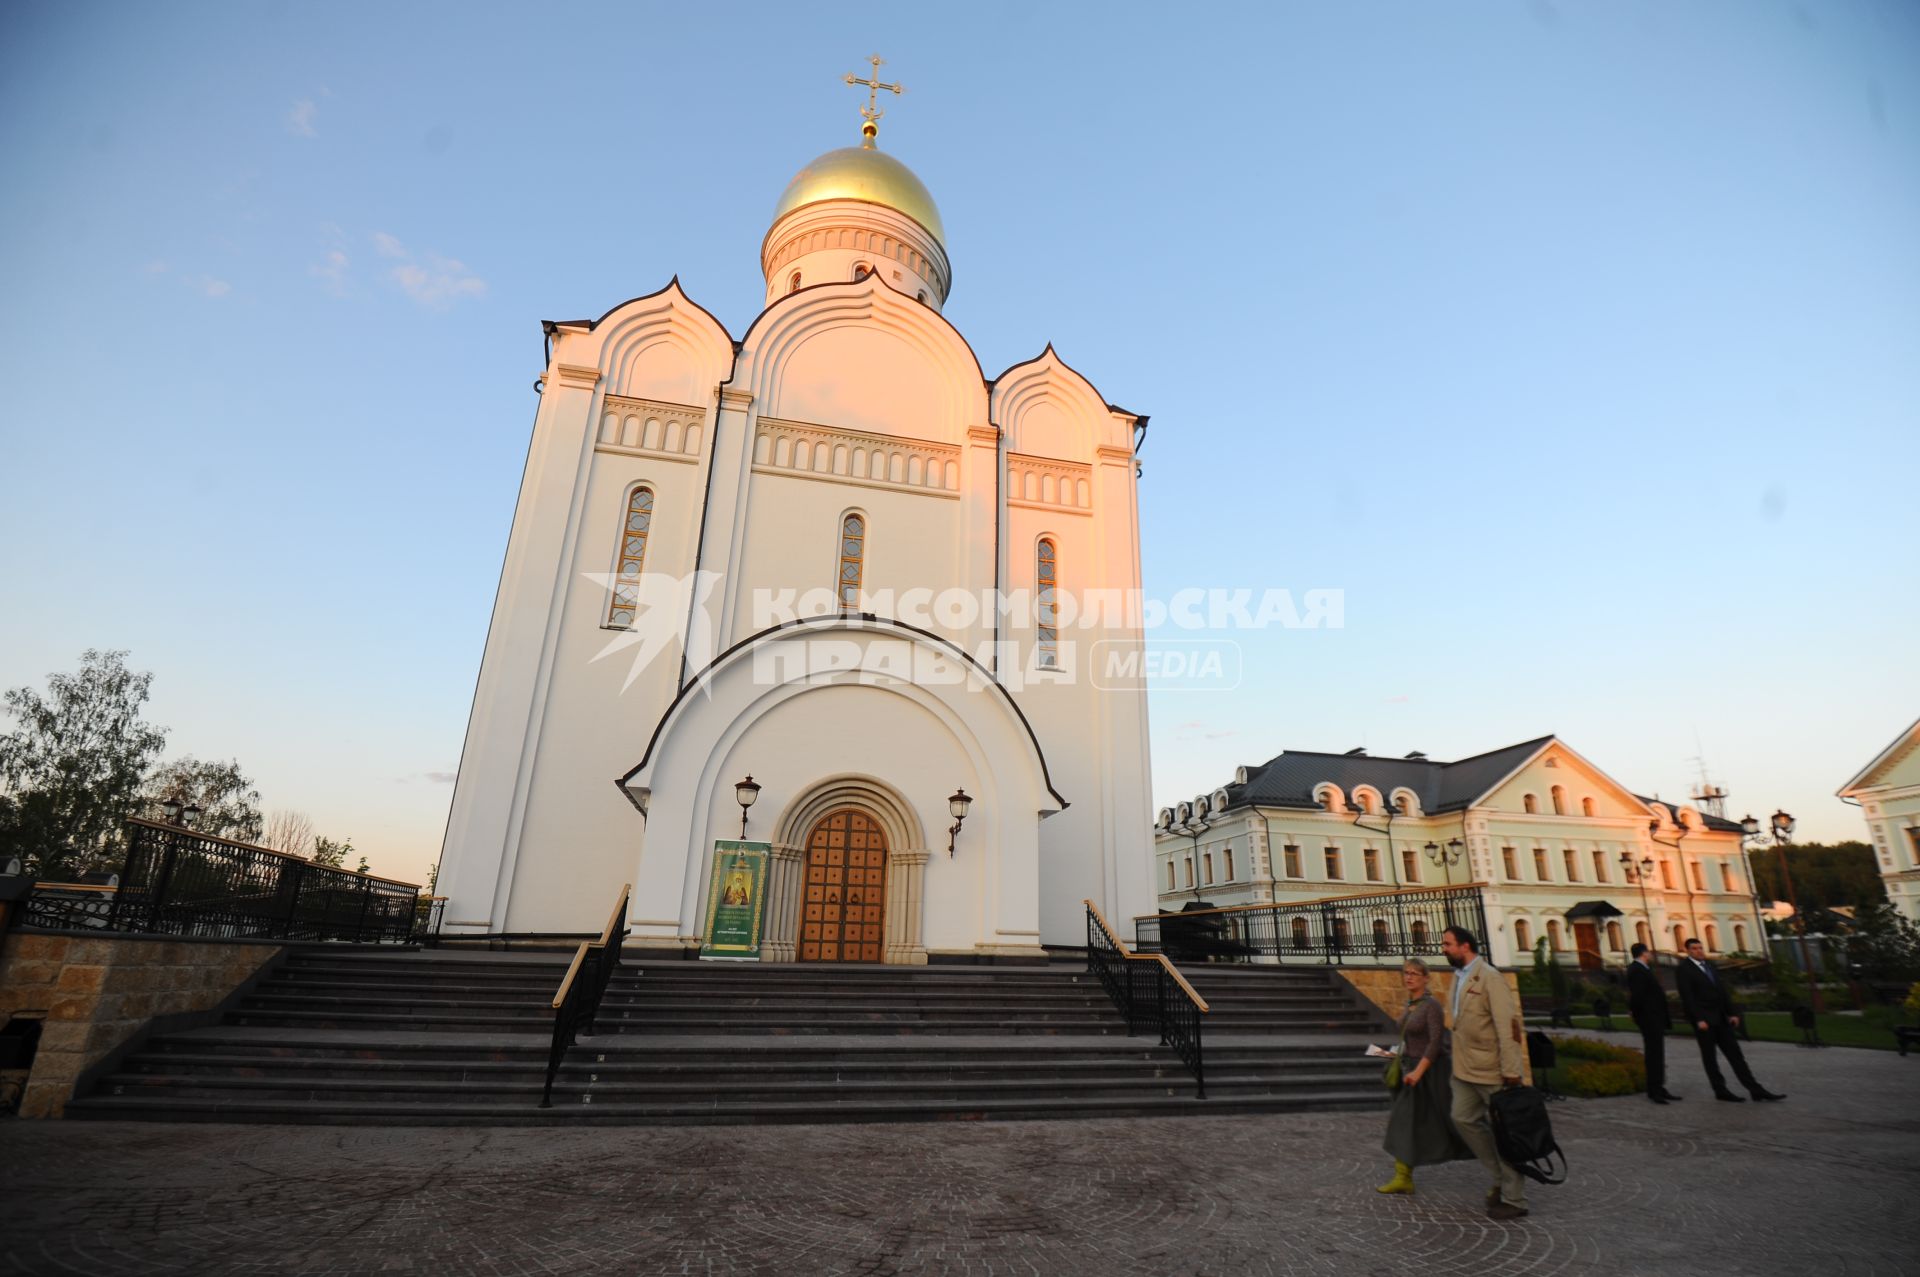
[(71, 768), (1824, 876), (1885, 944), (330, 852), (228, 801)]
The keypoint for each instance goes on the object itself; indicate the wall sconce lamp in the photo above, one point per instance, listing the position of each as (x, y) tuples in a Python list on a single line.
[(746, 793), (957, 804)]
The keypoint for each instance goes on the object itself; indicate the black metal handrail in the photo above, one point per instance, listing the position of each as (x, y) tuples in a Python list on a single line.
[(578, 1001), (1149, 991), (1384, 927), (178, 881)]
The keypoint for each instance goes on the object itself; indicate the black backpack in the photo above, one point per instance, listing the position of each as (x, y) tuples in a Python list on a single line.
[(1524, 1134)]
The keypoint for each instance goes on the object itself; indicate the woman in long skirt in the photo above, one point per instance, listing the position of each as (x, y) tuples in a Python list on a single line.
[(1420, 1130)]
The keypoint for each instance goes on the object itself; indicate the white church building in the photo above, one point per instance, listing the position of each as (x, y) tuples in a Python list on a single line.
[(778, 555)]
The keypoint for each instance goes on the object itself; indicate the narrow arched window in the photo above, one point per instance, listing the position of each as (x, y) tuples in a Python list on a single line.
[(861, 270), (633, 557), (1713, 938), (1529, 803), (793, 282), (1301, 940), (1418, 931), (853, 557), (1522, 935), (1553, 936), (1615, 940), (1046, 613), (1586, 807), (1739, 938), (1559, 801)]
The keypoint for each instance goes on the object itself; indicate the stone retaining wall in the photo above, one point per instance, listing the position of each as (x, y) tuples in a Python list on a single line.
[(98, 992)]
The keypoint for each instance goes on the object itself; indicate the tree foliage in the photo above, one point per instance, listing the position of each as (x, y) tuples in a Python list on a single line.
[(1824, 876), (1885, 944), (331, 852), (289, 831), (229, 804), (73, 764)]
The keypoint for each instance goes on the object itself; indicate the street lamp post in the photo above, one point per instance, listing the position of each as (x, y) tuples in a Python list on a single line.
[(1780, 828), (1194, 827), (1640, 875), (1446, 857)]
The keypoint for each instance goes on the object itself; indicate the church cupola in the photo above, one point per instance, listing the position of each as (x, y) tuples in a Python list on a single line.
[(858, 211)]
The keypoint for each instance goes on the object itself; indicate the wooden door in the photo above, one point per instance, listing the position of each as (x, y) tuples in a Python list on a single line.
[(843, 907), (1586, 938)]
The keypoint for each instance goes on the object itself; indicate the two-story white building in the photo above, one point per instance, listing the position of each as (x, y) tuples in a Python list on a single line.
[(1887, 791), (1560, 849)]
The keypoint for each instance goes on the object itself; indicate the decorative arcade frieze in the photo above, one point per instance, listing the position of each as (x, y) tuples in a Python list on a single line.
[(647, 428), (850, 456)]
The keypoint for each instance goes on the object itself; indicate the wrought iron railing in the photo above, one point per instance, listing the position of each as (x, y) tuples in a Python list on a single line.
[(1378, 929), (1150, 992), (578, 1002), (177, 881)]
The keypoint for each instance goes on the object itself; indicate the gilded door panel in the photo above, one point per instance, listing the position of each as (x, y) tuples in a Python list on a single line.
[(843, 910)]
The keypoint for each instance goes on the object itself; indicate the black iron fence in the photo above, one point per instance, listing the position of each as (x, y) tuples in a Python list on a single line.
[(578, 1002), (1377, 929), (1150, 993), (176, 881)]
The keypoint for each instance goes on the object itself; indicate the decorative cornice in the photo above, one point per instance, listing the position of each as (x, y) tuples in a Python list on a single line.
[(987, 435), (650, 428), (577, 376), (1045, 483), (852, 456), (740, 400)]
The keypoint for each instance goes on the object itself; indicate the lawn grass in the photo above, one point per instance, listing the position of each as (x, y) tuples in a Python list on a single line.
[(1777, 1026)]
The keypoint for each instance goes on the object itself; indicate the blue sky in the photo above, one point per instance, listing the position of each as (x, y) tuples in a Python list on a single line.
[(1579, 343)]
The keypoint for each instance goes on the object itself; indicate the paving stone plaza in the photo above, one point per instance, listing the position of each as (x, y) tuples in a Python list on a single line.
[(1824, 1183)]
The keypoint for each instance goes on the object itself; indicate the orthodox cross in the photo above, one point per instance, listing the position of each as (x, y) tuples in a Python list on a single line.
[(871, 113)]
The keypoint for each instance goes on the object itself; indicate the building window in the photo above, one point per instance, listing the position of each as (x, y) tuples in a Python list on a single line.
[(1679, 938), (1699, 876), (1511, 862), (1381, 941), (1326, 800), (1643, 933), (1372, 857), (1409, 865), (1207, 864), (1342, 934), (1529, 804), (1047, 636), (1522, 934), (1333, 864), (1364, 801), (1418, 930), (1728, 881), (1615, 940), (1403, 805), (1300, 940), (1540, 865), (1553, 936), (861, 270), (853, 555), (1739, 938), (1713, 938), (1228, 853), (1913, 840), (1559, 801), (1186, 870), (1291, 854), (633, 554), (1169, 875), (1571, 859), (793, 282), (1586, 807), (1599, 865), (1666, 875)]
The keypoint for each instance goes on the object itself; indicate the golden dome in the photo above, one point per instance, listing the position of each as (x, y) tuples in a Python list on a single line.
[(863, 173)]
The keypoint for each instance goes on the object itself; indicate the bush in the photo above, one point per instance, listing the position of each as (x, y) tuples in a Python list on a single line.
[(1596, 1080), (1596, 1050)]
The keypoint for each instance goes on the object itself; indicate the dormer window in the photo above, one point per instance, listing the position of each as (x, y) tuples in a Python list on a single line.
[(793, 282), (861, 270)]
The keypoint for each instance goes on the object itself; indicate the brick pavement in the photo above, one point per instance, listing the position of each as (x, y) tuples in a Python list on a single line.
[(1823, 1183)]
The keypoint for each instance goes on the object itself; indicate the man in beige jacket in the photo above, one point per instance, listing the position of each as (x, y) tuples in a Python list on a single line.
[(1487, 1055)]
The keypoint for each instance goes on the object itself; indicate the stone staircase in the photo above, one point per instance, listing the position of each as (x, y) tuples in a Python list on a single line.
[(461, 1038)]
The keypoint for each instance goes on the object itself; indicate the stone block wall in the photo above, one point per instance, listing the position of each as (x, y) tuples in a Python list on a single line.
[(97, 993)]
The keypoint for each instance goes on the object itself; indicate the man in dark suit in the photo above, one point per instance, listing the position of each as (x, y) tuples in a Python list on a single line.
[(1647, 1003), (1710, 1006)]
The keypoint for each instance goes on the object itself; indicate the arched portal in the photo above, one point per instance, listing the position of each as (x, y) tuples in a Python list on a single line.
[(843, 901)]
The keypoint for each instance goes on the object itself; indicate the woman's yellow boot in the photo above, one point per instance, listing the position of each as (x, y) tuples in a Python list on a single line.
[(1402, 1181)]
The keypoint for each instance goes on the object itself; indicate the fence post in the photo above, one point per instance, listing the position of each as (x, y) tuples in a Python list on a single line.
[(295, 876), (366, 900), (162, 881)]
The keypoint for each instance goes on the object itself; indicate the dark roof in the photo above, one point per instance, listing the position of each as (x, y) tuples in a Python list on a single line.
[(1711, 821), (1288, 779)]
